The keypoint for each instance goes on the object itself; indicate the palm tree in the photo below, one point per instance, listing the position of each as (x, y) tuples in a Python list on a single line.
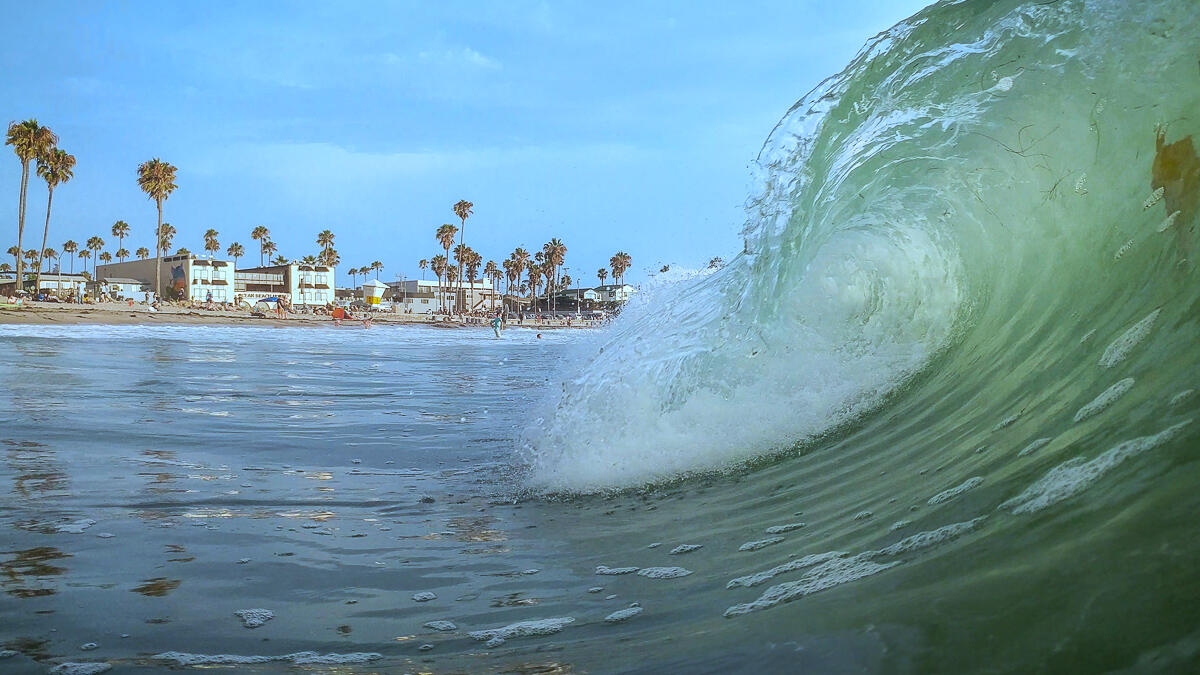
[(492, 272), (325, 239), (534, 272), (462, 209), (260, 234), (308, 260), (280, 260), (105, 257), (424, 265), (94, 244), (461, 253), (353, 272), (49, 254), (69, 246), (210, 241), (5, 267), (166, 236), (235, 251), (55, 167), (84, 254), (120, 230), (474, 260), (157, 179), (268, 247), (329, 258), (30, 141), (142, 253), (438, 264), (602, 274), (619, 263), (15, 252), (378, 267), (183, 250), (555, 252), (122, 254)]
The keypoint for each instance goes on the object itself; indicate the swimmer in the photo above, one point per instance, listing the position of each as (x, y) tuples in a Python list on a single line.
[(539, 336), (496, 325)]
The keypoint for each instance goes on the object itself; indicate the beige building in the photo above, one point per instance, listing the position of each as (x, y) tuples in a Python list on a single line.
[(299, 284)]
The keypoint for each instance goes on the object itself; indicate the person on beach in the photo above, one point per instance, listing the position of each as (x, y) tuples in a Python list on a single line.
[(496, 320)]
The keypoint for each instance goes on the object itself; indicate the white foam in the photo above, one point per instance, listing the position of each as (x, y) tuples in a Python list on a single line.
[(685, 548), (929, 538), (1181, 397), (613, 571), (494, 637), (863, 515), (832, 573), (1125, 248), (1154, 198), (780, 529), (76, 527), (663, 572), (761, 543), (1076, 474), (1168, 222), (623, 614), (800, 563), (440, 625), (899, 525), (424, 596), (1034, 446), (299, 658), (72, 668), (947, 495), (1105, 399), (1120, 348), (253, 618), (1007, 421)]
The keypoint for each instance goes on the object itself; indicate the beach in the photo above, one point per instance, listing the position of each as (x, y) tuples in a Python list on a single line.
[(121, 314)]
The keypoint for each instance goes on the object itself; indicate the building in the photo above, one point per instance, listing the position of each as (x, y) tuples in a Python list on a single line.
[(576, 299), (419, 296), (52, 283), (615, 293), (184, 277), (301, 285), (120, 289)]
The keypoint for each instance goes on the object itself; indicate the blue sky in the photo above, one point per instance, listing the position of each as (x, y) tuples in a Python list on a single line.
[(616, 125)]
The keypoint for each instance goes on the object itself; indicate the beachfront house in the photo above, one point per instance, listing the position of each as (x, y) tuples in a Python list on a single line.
[(419, 296), (575, 299), (301, 285), (615, 293), (184, 277), (119, 288)]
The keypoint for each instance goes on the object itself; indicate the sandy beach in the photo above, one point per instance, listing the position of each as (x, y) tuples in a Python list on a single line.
[(115, 313)]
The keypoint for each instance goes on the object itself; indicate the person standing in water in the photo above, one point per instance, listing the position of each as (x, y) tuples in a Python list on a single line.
[(496, 321)]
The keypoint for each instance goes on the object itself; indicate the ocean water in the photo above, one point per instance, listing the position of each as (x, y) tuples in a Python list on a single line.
[(940, 416)]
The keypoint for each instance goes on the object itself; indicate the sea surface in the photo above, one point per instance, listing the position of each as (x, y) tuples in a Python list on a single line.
[(941, 415)]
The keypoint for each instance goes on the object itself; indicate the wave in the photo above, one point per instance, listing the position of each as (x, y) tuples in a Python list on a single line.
[(953, 229)]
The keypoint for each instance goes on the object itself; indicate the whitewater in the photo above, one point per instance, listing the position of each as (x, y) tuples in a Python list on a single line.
[(940, 415)]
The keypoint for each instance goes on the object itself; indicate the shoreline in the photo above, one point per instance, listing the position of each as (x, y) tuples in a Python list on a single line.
[(118, 314)]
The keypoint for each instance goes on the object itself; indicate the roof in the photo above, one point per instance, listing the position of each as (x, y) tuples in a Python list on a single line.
[(121, 280)]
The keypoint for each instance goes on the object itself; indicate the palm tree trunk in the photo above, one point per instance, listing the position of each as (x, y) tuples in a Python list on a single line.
[(21, 221), (158, 258), (37, 285), (462, 232)]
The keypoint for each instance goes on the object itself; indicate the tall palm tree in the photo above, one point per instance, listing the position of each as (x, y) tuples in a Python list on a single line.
[(122, 253), (534, 272), (474, 260), (619, 263), (235, 251), (378, 267), (280, 260), (329, 258), (49, 254), (492, 273), (84, 254), (602, 274), (157, 179), (94, 244), (120, 230), (30, 141), (462, 209), (308, 260), (15, 252), (461, 253), (353, 272), (69, 246), (438, 264), (210, 241), (142, 253), (5, 268), (183, 250), (424, 265), (55, 167), (268, 247), (260, 234), (105, 257), (555, 252), (445, 237)]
